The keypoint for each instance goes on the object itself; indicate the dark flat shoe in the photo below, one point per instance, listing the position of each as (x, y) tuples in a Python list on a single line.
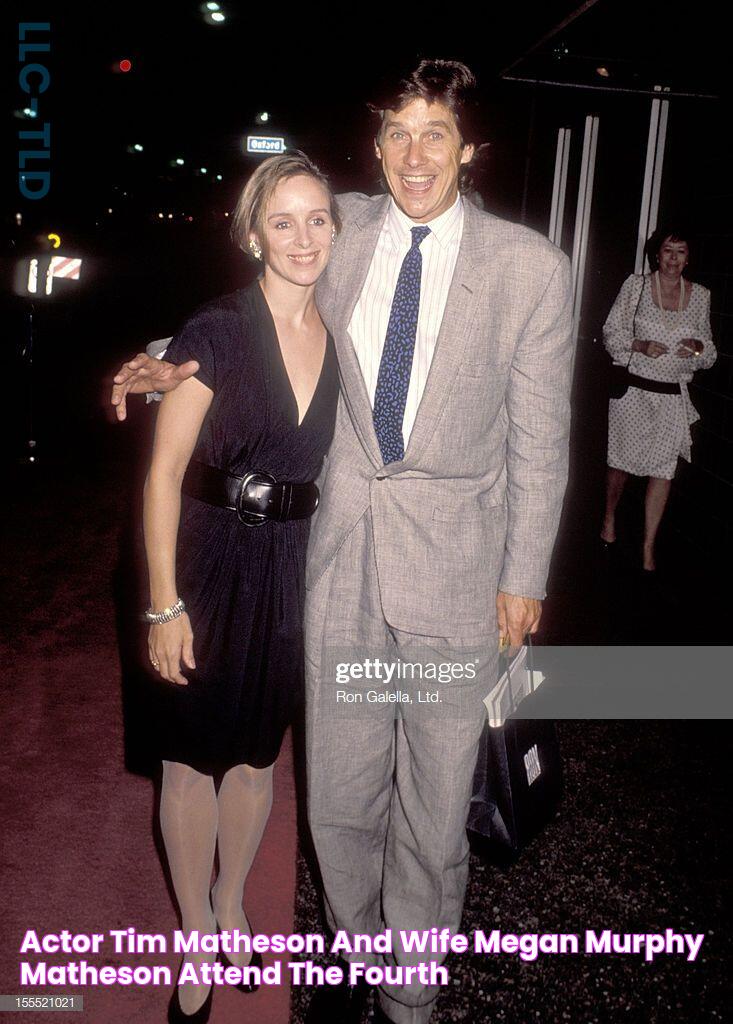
[(243, 986), (339, 1004), (200, 1016)]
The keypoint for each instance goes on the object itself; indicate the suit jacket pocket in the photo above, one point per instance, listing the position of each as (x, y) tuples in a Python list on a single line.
[(444, 515), (473, 370), (477, 513)]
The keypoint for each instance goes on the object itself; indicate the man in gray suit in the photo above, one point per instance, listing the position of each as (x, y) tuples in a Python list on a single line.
[(427, 549), (441, 498)]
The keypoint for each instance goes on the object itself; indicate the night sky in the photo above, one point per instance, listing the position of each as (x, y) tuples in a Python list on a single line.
[(194, 88)]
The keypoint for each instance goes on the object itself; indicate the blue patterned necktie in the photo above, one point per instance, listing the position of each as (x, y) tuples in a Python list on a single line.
[(395, 367)]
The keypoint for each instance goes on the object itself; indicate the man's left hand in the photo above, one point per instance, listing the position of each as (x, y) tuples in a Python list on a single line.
[(144, 374), (517, 616)]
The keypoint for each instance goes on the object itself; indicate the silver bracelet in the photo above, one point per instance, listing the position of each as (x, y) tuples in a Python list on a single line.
[(167, 615)]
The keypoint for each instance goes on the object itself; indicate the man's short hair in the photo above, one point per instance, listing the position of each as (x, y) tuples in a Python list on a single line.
[(436, 81)]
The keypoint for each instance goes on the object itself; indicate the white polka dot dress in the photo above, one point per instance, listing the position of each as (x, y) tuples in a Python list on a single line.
[(647, 432)]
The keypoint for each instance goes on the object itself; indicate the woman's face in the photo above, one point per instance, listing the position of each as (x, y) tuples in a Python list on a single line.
[(298, 230), (673, 256)]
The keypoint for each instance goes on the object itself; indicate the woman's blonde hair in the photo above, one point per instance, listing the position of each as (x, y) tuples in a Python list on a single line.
[(249, 213)]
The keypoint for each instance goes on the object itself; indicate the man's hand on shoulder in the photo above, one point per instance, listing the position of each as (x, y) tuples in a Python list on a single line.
[(517, 616), (144, 374)]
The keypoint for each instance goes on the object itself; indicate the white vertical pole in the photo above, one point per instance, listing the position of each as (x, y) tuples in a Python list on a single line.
[(659, 164), (652, 176), (557, 209), (582, 215)]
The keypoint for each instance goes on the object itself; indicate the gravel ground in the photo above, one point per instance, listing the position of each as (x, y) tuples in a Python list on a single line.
[(639, 845)]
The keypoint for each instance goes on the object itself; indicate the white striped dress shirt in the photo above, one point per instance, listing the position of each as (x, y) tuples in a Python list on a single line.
[(370, 319)]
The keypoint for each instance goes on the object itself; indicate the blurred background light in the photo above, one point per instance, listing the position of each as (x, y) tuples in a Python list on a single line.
[(213, 14), (125, 65)]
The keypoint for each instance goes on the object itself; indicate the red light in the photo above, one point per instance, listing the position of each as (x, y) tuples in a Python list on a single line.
[(125, 65)]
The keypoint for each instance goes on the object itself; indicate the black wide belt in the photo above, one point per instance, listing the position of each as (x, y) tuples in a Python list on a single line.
[(659, 387), (257, 498)]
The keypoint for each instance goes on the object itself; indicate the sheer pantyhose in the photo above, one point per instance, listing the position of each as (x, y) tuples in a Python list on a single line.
[(194, 821), (655, 502)]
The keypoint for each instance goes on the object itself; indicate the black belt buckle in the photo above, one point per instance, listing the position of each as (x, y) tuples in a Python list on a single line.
[(245, 515)]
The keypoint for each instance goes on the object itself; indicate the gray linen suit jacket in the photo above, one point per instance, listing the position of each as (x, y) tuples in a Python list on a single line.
[(475, 504)]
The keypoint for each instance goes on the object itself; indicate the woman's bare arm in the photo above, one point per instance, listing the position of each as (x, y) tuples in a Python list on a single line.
[(179, 421)]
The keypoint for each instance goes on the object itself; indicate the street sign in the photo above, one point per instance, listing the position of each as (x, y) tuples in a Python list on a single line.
[(265, 145)]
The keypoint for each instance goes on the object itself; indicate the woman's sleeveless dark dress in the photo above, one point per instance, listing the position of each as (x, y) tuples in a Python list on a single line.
[(243, 586)]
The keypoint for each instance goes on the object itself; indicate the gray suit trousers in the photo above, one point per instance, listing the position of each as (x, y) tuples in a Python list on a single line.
[(389, 782)]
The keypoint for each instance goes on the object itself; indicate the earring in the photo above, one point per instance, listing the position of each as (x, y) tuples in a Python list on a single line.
[(255, 250), (333, 236)]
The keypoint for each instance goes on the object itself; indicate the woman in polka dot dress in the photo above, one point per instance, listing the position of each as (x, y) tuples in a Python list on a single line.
[(659, 330)]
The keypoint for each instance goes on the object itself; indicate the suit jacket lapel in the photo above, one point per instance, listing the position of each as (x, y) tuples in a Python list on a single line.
[(352, 261), (350, 266), (469, 280)]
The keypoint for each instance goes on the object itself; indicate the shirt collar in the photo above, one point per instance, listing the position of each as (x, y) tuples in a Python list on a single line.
[(445, 229)]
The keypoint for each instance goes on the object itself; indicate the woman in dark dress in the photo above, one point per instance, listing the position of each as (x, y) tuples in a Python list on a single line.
[(232, 547)]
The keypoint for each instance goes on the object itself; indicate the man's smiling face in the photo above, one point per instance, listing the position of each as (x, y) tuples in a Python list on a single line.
[(421, 152)]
